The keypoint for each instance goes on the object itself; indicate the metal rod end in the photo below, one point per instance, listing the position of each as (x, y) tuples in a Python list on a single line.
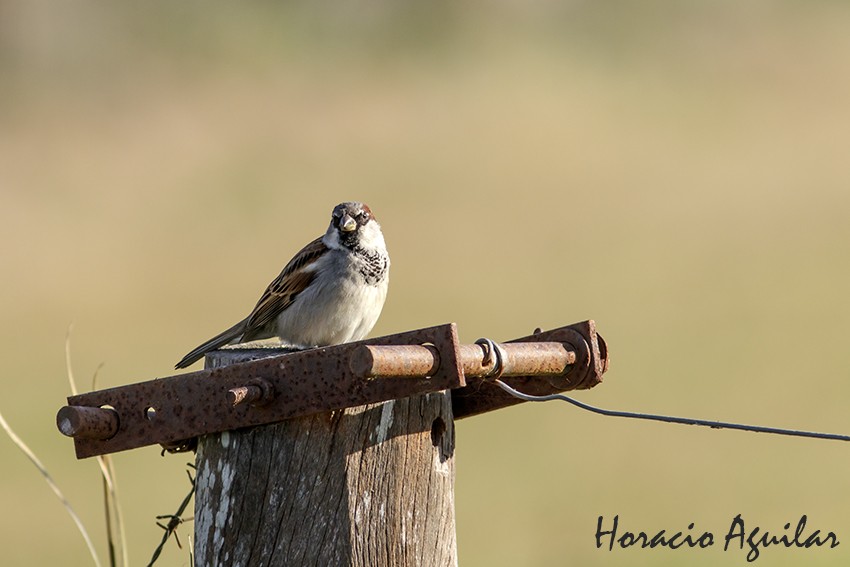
[(362, 362), (243, 395), (256, 392), (83, 422)]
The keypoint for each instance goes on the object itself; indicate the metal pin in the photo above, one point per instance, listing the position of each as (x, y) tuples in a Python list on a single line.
[(489, 359), (243, 394), (415, 361), (83, 422), (256, 392)]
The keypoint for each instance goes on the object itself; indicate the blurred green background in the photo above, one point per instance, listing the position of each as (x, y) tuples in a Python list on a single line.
[(677, 171)]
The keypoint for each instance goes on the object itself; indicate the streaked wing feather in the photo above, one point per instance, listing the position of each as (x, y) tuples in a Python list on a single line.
[(280, 294)]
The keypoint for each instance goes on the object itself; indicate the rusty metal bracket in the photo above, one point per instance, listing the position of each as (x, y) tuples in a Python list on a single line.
[(307, 382), (258, 387), (591, 361)]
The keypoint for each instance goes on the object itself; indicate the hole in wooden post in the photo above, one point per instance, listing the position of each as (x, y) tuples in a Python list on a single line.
[(150, 413), (438, 429)]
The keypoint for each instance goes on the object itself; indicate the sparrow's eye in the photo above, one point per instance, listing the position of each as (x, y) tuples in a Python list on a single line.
[(362, 216)]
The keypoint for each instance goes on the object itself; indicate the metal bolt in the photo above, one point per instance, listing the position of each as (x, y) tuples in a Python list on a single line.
[(83, 422), (256, 392)]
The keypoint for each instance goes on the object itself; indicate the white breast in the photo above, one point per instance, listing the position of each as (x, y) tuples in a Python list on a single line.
[(338, 307)]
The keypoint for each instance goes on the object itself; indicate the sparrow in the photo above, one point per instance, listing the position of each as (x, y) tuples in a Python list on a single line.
[(331, 292)]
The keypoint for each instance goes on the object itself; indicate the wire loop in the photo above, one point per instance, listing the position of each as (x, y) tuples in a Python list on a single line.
[(493, 354)]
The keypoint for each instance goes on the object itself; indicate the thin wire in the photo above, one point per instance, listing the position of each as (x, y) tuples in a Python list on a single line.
[(670, 419), (494, 354)]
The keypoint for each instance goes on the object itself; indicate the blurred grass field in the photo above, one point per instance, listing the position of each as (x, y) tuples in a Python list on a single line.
[(677, 171)]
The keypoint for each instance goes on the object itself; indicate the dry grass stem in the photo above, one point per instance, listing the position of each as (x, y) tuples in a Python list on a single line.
[(115, 532), (26, 450)]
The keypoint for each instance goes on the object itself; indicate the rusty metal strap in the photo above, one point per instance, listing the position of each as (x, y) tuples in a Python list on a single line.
[(253, 388), (313, 381)]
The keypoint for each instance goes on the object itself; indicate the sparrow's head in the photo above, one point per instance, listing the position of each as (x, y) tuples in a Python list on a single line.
[(353, 224)]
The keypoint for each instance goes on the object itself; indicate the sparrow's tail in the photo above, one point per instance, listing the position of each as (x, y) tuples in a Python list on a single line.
[(232, 334)]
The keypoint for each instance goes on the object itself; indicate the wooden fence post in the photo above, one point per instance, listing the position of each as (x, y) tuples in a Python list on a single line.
[(366, 486)]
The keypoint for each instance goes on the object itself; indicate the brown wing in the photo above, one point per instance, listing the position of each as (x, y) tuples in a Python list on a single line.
[(284, 289)]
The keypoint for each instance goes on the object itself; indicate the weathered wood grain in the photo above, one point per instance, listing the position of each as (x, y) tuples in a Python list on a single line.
[(368, 486)]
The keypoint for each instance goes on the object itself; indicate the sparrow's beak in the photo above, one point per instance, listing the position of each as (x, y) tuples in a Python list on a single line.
[(347, 223)]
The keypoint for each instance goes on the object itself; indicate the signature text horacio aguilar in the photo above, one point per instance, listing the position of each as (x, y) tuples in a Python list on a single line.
[(753, 539)]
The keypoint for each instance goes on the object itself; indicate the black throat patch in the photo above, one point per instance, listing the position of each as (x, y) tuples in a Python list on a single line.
[(371, 264)]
